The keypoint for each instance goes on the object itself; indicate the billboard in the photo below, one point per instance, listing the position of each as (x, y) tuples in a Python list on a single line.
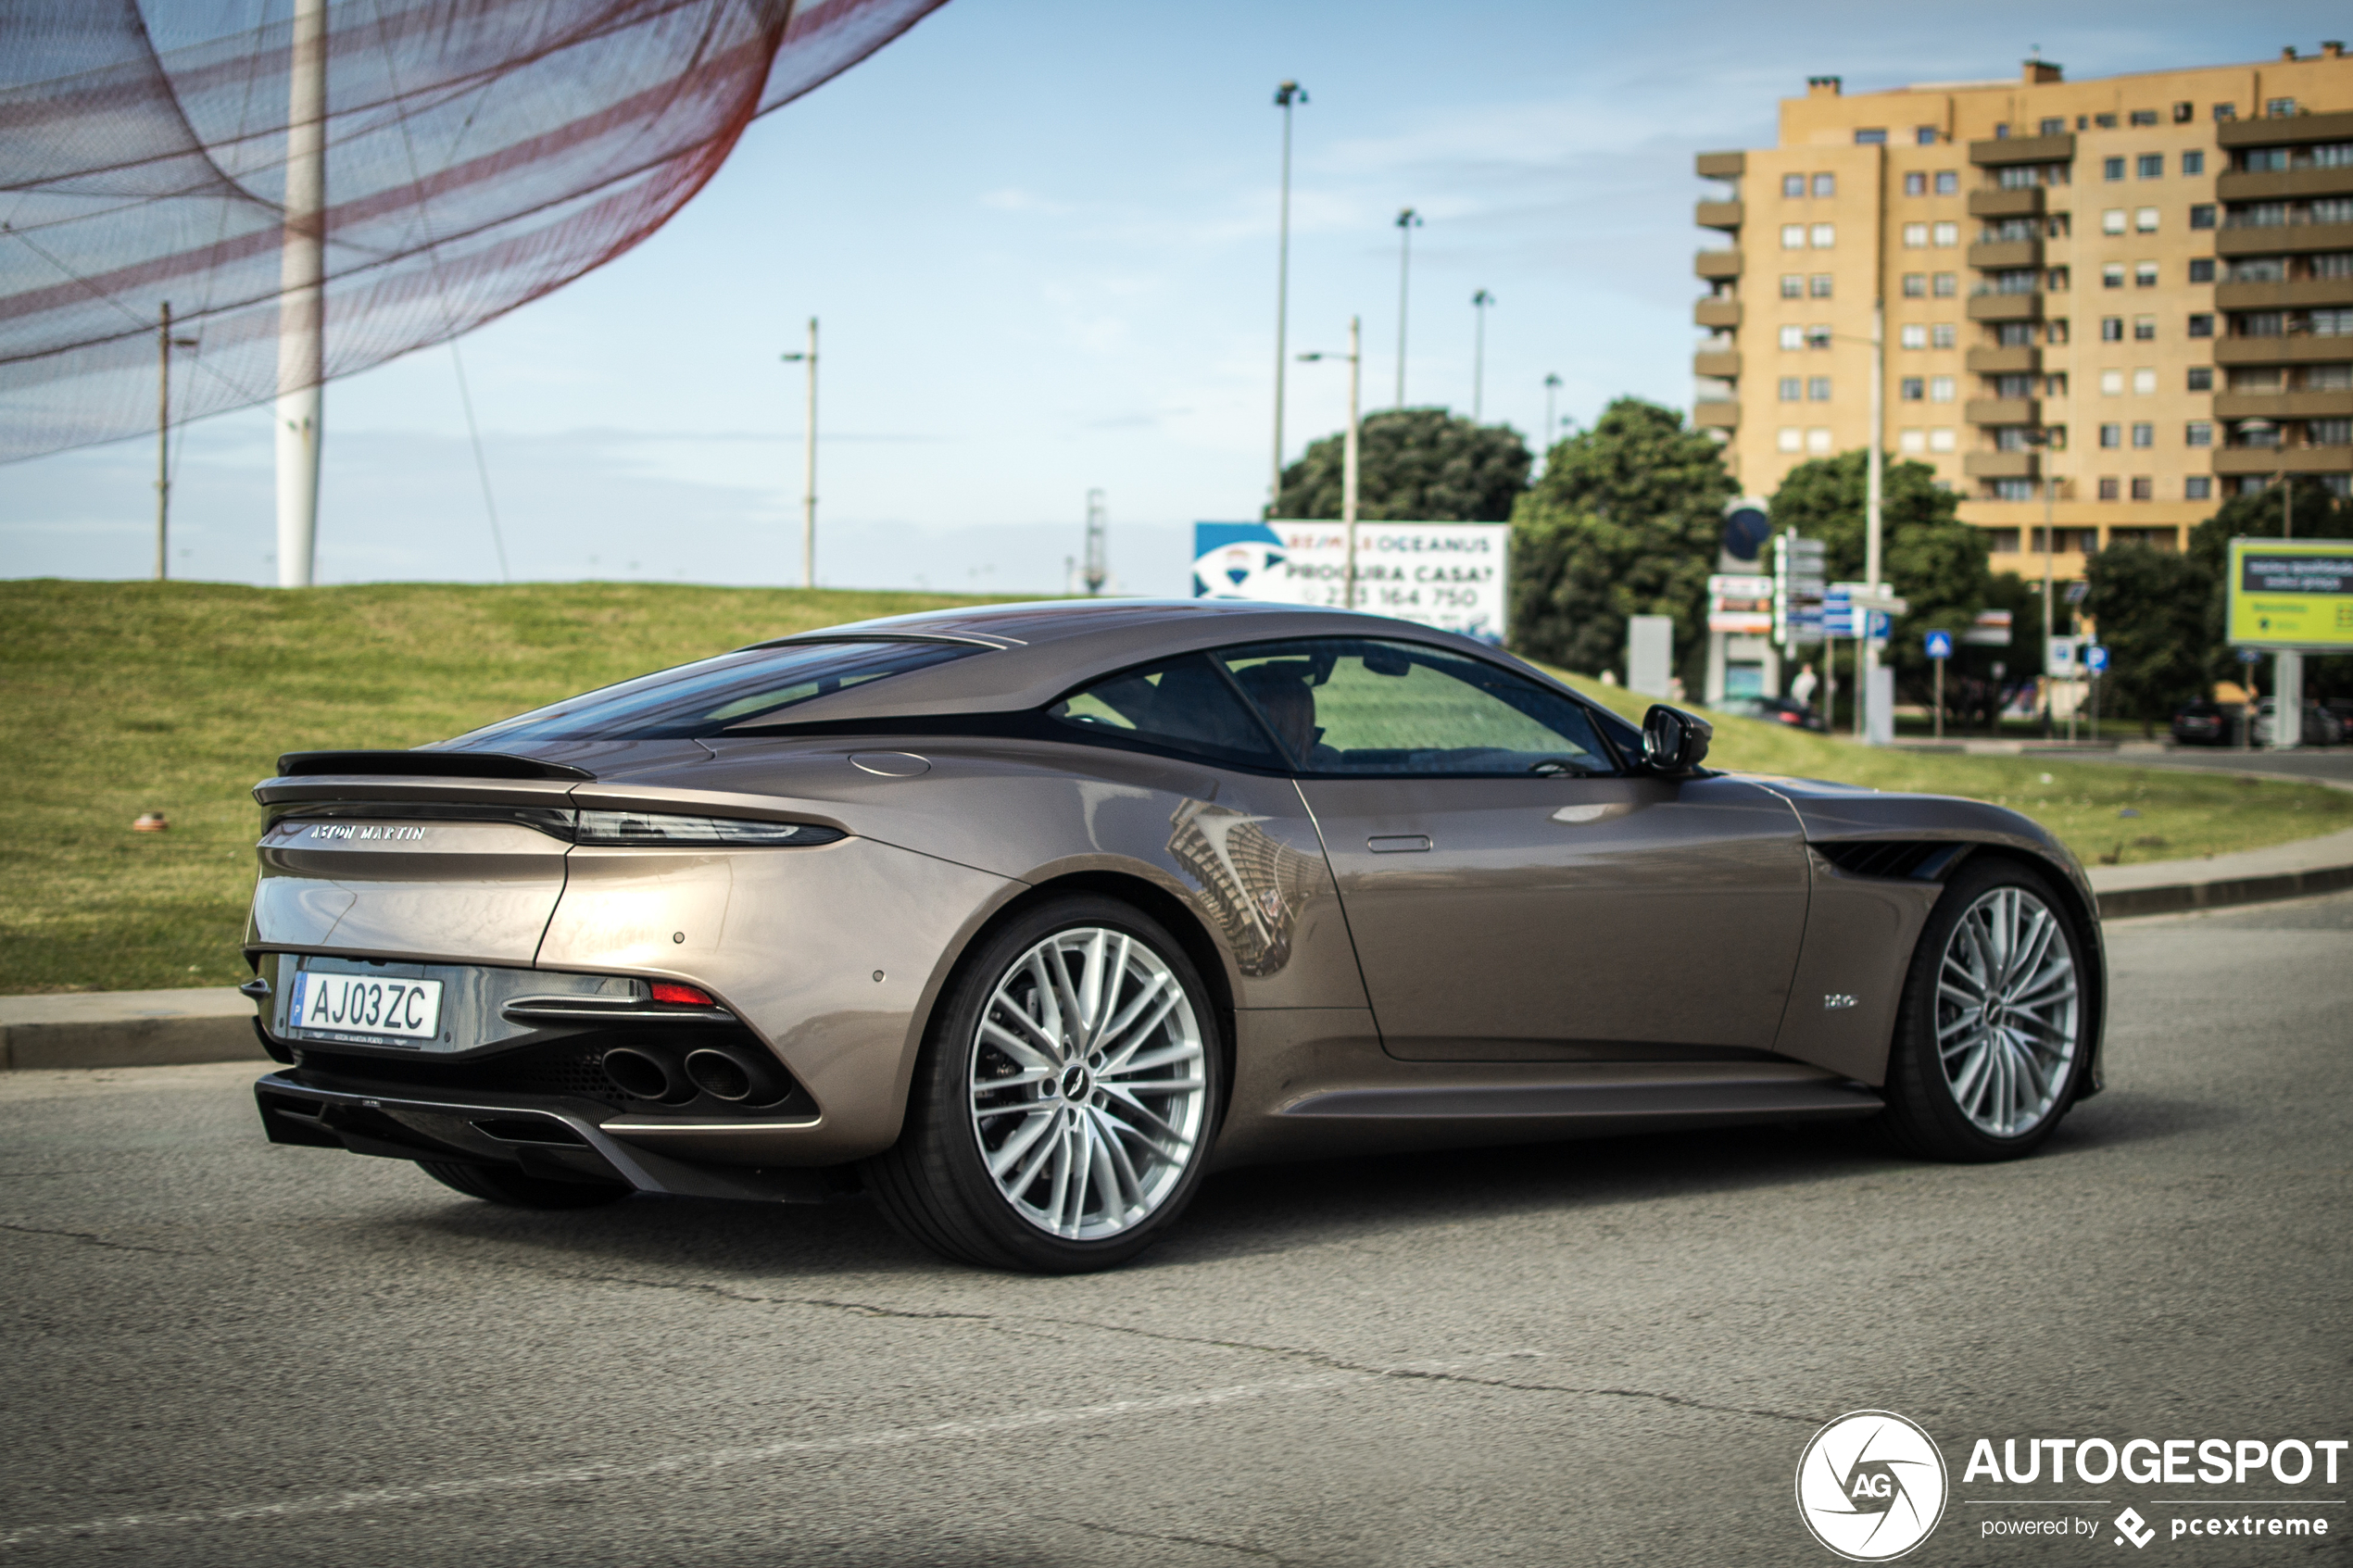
[(1448, 575), (2292, 593)]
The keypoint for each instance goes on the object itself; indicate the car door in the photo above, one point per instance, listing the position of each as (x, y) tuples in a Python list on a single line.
[(1513, 894)]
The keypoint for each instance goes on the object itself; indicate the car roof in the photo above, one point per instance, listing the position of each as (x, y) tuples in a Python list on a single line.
[(1035, 652)]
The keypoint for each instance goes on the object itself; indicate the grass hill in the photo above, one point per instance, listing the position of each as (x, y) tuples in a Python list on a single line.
[(129, 697)]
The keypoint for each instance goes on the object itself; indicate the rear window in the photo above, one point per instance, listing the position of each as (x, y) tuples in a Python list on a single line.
[(737, 692)]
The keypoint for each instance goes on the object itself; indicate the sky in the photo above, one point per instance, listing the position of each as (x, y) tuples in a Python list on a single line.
[(1041, 237)]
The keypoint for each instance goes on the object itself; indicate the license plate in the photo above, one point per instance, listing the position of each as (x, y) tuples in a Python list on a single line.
[(365, 1005)]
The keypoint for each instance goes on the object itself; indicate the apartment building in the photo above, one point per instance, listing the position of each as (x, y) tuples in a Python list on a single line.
[(2134, 293)]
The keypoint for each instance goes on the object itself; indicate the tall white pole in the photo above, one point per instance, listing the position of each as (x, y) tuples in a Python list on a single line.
[(1285, 94), (1480, 302), (1874, 461), (808, 472), (1407, 221), (1349, 451), (302, 271)]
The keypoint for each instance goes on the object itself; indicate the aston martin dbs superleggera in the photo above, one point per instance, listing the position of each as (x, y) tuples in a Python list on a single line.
[(1021, 919)]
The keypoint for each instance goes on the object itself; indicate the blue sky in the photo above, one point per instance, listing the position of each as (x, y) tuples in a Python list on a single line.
[(1041, 240)]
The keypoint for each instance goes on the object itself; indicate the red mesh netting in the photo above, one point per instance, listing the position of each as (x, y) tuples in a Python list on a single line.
[(479, 154)]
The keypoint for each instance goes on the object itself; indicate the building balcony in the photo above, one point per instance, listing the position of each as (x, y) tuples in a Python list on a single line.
[(1993, 255), (2283, 405), (2003, 362), (2237, 460), (1997, 203), (2298, 348), (2002, 465), (1719, 215), (1721, 166), (2283, 184), (2295, 293), (2002, 411), (2249, 240), (1716, 413), (1717, 265), (2005, 307), (1722, 314), (2004, 150), (2300, 131), (1723, 363)]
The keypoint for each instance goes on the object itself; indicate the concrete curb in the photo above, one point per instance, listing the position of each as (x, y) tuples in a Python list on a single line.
[(2246, 876)]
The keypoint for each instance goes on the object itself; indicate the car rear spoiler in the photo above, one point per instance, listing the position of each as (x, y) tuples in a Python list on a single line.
[(426, 764)]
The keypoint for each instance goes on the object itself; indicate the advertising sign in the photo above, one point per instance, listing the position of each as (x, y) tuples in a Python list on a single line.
[(1990, 630), (1741, 606), (1447, 575), (2292, 593)]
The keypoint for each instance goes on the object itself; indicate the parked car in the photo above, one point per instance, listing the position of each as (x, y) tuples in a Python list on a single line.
[(1023, 917), (2341, 707), (2320, 727), (1780, 709), (2206, 724)]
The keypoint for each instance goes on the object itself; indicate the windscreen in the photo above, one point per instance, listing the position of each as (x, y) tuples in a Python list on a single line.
[(735, 693)]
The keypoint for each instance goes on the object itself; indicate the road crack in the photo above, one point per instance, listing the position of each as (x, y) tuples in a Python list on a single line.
[(1233, 1547), (94, 1239)]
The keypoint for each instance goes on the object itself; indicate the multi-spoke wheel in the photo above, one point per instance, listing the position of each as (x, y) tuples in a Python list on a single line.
[(1992, 1033), (1067, 1097)]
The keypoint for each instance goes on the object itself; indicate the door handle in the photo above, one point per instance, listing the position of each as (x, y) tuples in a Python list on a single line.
[(1398, 843)]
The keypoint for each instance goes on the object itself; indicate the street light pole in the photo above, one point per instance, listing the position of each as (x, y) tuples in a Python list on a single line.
[(1480, 302), (808, 462), (1874, 496), (1349, 450), (1407, 221), (1285, 94), (1551, 387)]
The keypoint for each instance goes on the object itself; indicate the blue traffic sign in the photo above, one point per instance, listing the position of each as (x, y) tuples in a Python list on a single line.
[(1940, 645), (2249, 655), (2095, 658)]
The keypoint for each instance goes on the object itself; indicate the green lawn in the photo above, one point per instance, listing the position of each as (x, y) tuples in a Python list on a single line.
[(126, 698)]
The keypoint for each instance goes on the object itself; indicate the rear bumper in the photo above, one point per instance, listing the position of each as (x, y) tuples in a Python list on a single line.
[(548, 1136)]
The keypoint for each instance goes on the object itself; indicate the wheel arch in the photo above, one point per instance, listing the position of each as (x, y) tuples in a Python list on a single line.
[(2081, 906)]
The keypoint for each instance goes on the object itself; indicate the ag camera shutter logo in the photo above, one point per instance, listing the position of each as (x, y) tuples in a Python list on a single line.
[(1870, 1486)]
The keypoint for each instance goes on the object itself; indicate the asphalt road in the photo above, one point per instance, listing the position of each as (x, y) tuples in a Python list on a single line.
[(224, 1352), (2324, 763)]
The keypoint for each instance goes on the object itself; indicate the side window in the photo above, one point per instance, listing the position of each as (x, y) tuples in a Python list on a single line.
[(1367, 707), (1183, 704)]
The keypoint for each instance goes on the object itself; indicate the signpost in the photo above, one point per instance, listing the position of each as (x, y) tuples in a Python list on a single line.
[(2289, 598), (1940, 649), (1864, 611), (2095, 663)]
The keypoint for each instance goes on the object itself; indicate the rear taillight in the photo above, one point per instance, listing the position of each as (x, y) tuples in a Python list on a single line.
[(674, 995)]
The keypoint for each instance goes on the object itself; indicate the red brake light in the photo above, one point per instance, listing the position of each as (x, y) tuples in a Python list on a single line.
[(679, 995), (1786, 716)]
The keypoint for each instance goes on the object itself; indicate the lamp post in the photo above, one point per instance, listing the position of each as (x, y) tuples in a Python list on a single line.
[(1874, 493), (1407, 221), (2039, 438), (1285, 94), (1480, 302), (808, 462), (1356, 359), (1552, 388), (165, 343)]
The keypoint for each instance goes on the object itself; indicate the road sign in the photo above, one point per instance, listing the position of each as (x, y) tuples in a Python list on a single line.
[(1797, 590), (1990, 630), (2059, 657), (1940, 645), (2095, 658), (1740, 604), (2249, 655), (1875, 625), (1745, 528)]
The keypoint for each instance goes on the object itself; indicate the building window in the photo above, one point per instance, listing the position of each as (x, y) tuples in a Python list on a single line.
[(2010, 490), (1817, 441), (2111, 329), (1915, 236), (1793, 236), (1914, 441), (2328, 432), (2111, 222), (2278, 108), (1792, 185), (2107, 490), (2144, 433), (2111, 384), (2332, 324), (2152, 166), (1817, 389), (1915, 285), (1819, 285), (1818, 335), (1948, 183), (2145, 381), (1912, 335), (2202, 216), (2192, 161), (2258, 324), (2145, 274), (2112, 275), (2143, 329), (1947, 235), (2198, 433), (1941, 334), (1792, 389), (1826, 185), (1793, 285), (2201, 378), (2055, 384), (2112, 435), (2012, 438), (1916, 184), (2226, 111), (2144, 489), (1825, 235), (2014, 334), (1912, 389), (1790, 439), (2144, 220), (2333, 264), (2112, 169), (1874, 137), (2013, 387), (1792, 337), (1940, 389), (1924, 135), (2197, 487), (2201, 326), (2202, 269), (1946, 284), (1941, 439), (2144, 116)]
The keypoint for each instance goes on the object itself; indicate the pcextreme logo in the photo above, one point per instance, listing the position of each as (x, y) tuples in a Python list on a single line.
[(1870, 1486)]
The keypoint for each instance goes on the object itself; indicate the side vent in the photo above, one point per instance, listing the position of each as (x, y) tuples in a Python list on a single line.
[(1893, 860)]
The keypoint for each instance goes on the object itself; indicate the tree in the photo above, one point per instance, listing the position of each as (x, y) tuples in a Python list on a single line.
[(1413, 465), (1624, 521), (2262, 515), (2150, 606)]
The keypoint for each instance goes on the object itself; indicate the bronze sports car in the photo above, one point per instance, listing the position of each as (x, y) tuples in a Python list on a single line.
[(1021, 919)]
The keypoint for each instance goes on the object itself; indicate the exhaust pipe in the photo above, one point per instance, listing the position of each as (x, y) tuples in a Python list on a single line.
[(646, 1075), (737, 1077)]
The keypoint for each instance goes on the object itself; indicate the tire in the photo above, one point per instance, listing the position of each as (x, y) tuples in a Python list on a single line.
[(1004, 1117), (494, 1183), (2007, 1071)]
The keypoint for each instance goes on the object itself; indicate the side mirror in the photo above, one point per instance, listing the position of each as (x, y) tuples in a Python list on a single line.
[(1674, 741)]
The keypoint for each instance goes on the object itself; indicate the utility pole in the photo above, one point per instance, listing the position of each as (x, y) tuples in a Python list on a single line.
[(1285, 94), (808, 462), (302, 273), (1407, 221), (165, 343), (1866, 675), (1098, 570), (1480, 302)]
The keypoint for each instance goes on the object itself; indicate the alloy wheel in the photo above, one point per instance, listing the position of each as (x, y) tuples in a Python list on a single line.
[(2006, 1002)]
